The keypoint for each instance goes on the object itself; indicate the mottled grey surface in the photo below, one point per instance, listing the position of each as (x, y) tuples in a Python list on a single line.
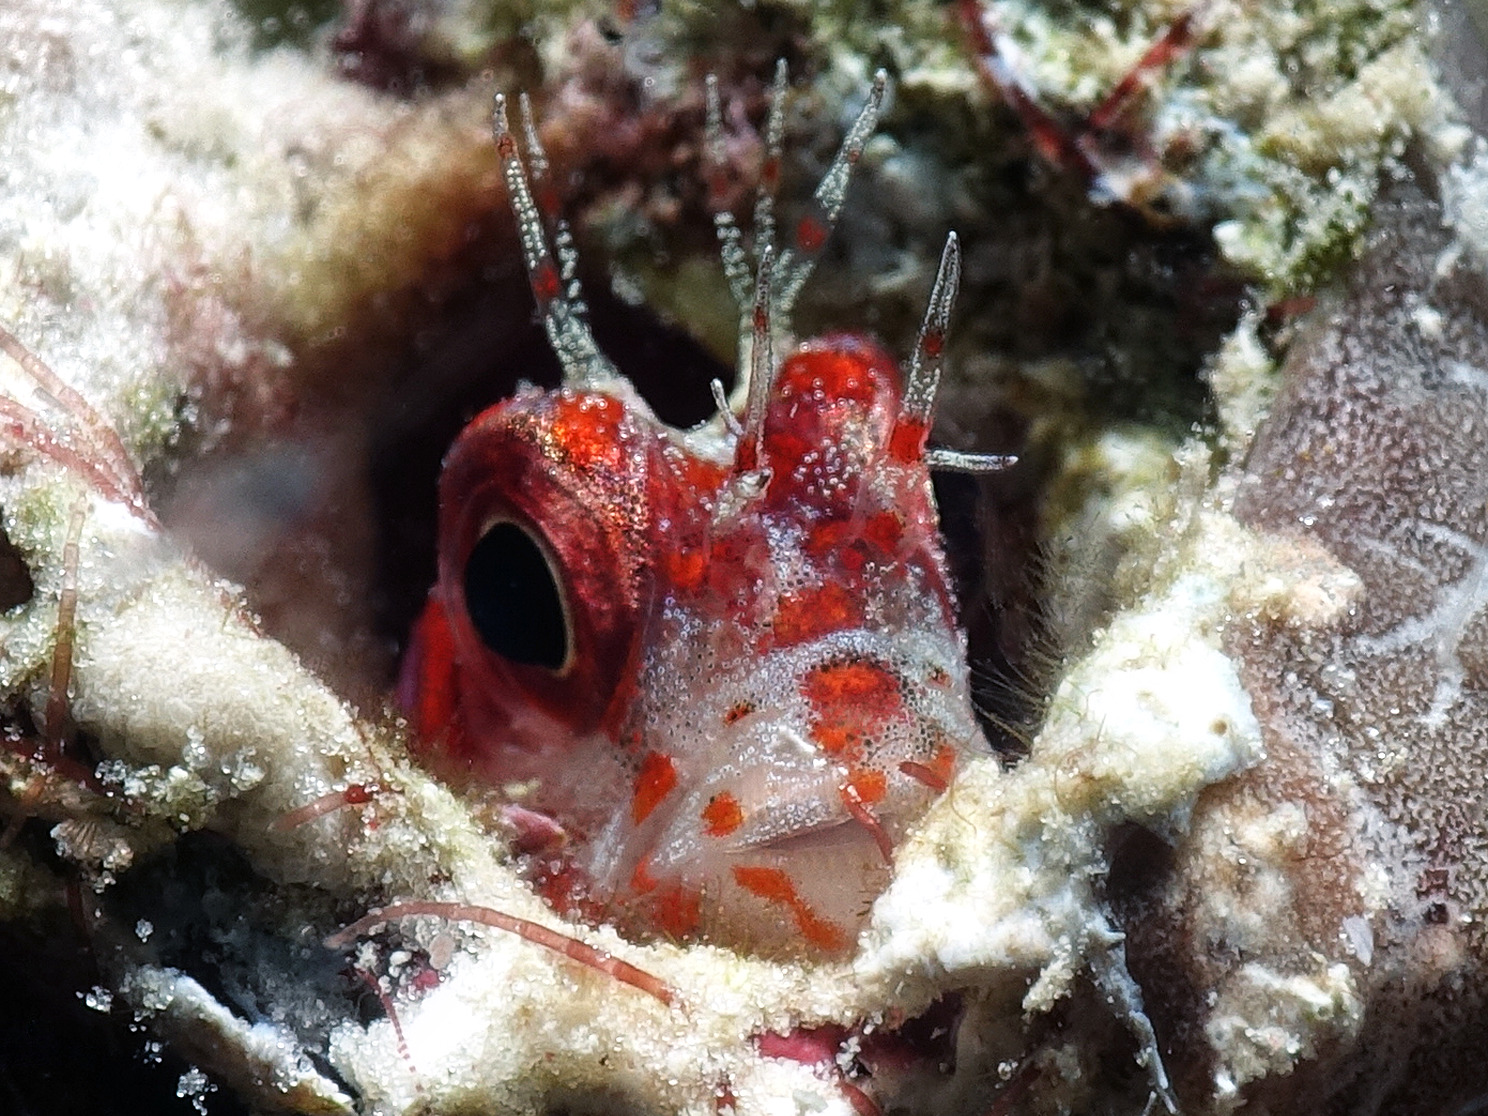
[(1376, 723)]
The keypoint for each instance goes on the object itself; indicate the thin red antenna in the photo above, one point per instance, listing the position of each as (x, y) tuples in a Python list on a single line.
[(1052, 140), (1177, 39), (355, 794), (534, 932), (49, 749), (391, 1011), (865, 817), (103, 457), (921, 773)]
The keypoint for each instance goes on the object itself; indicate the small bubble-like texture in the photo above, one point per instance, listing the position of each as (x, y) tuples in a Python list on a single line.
[(1377, 721)]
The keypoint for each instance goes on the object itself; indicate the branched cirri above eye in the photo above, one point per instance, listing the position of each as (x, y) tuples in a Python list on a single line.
[(513, 598)]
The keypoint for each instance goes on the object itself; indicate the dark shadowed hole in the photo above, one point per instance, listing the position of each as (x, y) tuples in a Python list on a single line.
[(16, 586), (214, 918), (1141, 864), (61, 1057), (989, 526)]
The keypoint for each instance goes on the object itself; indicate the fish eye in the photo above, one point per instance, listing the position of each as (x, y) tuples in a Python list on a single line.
[(513, 598)]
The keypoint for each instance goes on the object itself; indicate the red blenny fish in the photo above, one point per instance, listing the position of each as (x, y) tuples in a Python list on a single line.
[(720, 668)]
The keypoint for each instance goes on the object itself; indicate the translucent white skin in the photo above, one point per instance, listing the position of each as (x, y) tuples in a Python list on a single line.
[(788, 790)]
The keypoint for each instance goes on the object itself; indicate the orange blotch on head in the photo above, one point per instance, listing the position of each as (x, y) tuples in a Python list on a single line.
[(586, 430), (829, 535), (695, 475), (852, 543), (774, 886), (835, 738), (884, 530), (859, 374), (687, 567), (813, 613), (722, 815), (871, 691), (655, 780)]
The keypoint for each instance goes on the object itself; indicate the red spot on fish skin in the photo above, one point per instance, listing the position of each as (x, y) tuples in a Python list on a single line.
[(853, 542), (677, 910), (722, 815), (866, 688), (641, 880), (687, 566), (585, 429), (565, 886), (813, 613), (850, 700), (836, 739), (907, 442), (869, 785), (833, 397), (673, 908), (774, 886), (885, 530), (655, 780)]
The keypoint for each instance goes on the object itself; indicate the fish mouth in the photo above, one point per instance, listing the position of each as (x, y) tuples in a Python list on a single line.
[(832, 831)]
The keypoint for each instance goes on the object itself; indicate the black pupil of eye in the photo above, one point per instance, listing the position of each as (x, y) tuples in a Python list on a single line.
[(513, 600)]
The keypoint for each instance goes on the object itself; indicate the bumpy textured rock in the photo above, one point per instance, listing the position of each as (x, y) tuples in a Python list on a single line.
[(1377, 449)]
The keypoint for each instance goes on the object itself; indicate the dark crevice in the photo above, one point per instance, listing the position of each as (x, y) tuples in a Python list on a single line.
[(16, 585)]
